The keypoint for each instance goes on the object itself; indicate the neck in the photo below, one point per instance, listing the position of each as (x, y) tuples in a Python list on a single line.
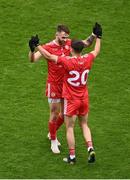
[(56, 40), (60, 43), (76, 54)]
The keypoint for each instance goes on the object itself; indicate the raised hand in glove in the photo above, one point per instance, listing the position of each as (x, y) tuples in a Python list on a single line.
[(97, 30), (33, 42)]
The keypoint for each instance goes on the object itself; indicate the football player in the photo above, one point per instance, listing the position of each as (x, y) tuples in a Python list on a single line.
[(60, 46)]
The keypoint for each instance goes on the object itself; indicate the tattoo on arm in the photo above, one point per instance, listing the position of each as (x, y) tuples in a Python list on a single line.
[(89, 40)]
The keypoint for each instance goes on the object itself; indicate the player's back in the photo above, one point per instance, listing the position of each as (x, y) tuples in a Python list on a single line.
[(76, 74)]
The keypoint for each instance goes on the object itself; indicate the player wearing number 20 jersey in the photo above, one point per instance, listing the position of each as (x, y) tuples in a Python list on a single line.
[(75, 91)]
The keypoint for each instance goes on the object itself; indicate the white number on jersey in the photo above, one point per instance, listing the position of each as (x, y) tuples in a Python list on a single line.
[(81, 81)]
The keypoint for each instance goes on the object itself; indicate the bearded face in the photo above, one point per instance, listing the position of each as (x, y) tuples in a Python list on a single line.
[(62, 37)]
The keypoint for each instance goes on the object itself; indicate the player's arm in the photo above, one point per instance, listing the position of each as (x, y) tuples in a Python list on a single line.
[(97, 47), (96, 29), (87, 42), (46, 54), (34, 56)]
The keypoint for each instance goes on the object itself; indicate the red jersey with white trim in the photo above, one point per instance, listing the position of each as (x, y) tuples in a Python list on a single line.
[(76, 74), (56, 71)]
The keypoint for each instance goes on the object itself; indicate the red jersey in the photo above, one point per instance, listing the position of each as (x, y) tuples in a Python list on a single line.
[(56, 71), (75, 77)]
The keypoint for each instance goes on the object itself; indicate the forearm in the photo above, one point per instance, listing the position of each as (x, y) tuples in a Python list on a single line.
[(34, 56), (87, 42), (46, 54), (97, 47), (43, 52), (31, 56)]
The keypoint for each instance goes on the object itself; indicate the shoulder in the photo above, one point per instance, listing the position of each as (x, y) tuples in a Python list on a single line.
[(68, 43), (49, 44), (89, 59), (89, 56)]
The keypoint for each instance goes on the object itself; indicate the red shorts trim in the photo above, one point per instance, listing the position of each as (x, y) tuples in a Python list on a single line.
[(76, 107), (54, 90)]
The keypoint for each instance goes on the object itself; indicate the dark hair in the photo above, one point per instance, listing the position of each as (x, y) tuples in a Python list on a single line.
[(77, 45), (64, 28)]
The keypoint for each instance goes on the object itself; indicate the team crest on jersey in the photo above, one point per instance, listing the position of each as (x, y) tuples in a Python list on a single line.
[(67, 47), (53, 94)]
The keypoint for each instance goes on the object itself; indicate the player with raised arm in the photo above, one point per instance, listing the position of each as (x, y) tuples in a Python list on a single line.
[(75, 92), (60, 46)]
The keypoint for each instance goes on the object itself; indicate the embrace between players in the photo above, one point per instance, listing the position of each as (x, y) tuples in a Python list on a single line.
[(66, 85)]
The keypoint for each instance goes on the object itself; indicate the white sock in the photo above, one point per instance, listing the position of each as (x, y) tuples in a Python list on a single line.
[(72, 156), (90, 148), (54, 141)]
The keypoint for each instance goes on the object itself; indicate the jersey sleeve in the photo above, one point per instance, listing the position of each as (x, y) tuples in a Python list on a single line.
[(90, 59), (69, 41), (91, 56), (61, 60), (47, 47)]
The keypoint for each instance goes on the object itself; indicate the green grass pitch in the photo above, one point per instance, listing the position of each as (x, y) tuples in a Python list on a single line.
[(24, 148)]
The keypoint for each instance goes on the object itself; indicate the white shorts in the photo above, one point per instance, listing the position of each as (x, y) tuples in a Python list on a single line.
[(52, 100)]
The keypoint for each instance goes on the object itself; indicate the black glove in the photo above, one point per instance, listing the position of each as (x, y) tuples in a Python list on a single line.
[(33, 42), (97, 30), (31, 45)]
